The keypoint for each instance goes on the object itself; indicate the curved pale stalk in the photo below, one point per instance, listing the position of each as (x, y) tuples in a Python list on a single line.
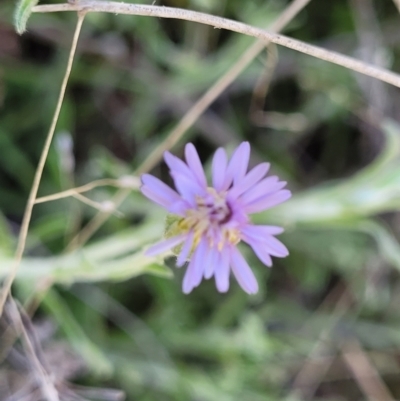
[(230, 25)]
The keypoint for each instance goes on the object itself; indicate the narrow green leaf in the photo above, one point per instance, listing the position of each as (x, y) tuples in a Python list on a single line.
[(373, 190), (77, 267), (22, 14), (93, 356), (386, 241), (6, 238)]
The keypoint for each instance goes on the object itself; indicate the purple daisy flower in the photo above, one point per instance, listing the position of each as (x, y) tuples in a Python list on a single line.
[(212, 220)]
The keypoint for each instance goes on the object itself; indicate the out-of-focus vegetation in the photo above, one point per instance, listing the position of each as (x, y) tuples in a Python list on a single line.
[(326, 322)]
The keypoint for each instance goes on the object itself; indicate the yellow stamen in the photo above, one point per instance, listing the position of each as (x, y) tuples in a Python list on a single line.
[(209, 213)]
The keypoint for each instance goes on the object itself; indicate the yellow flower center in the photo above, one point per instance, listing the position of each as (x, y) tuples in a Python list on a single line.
[(208, 219)]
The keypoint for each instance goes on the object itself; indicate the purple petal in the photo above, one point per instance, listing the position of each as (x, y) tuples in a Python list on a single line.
[(268, 244), (238, 164), (263, 188), (260, 251), (193, 161), (250, 179), (268, 201), (157, 191), (189, 189), (188, 285), (276, 248), (176, 165), (194, 272), (219, 164), (222, 271), (180, 208), (154, 197), (260, 232), (242, 272), (187, 247), (165, 245), (210, 262), (239, 216)]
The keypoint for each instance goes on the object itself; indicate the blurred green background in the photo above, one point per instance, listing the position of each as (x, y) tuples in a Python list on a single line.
[(325, 324)]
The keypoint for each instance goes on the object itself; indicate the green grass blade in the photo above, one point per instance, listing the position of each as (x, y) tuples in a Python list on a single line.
[(93, 356), (22, 14)]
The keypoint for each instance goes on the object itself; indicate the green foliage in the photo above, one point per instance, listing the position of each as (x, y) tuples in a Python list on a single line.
[(122, 312), (22, 13), (373, 190), (116, 258), (93, 356)]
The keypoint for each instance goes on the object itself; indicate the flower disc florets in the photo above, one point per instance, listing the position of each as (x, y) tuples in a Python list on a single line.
[(210, 219), (213, 220)]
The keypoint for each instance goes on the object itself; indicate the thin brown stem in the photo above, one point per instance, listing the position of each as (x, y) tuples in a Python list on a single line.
[(47, 387), (307, 380), (78, 190), (192, 115), (97, 221), (364, 372), (224, 23), (261, 88), (39, 170), (107, 206)]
